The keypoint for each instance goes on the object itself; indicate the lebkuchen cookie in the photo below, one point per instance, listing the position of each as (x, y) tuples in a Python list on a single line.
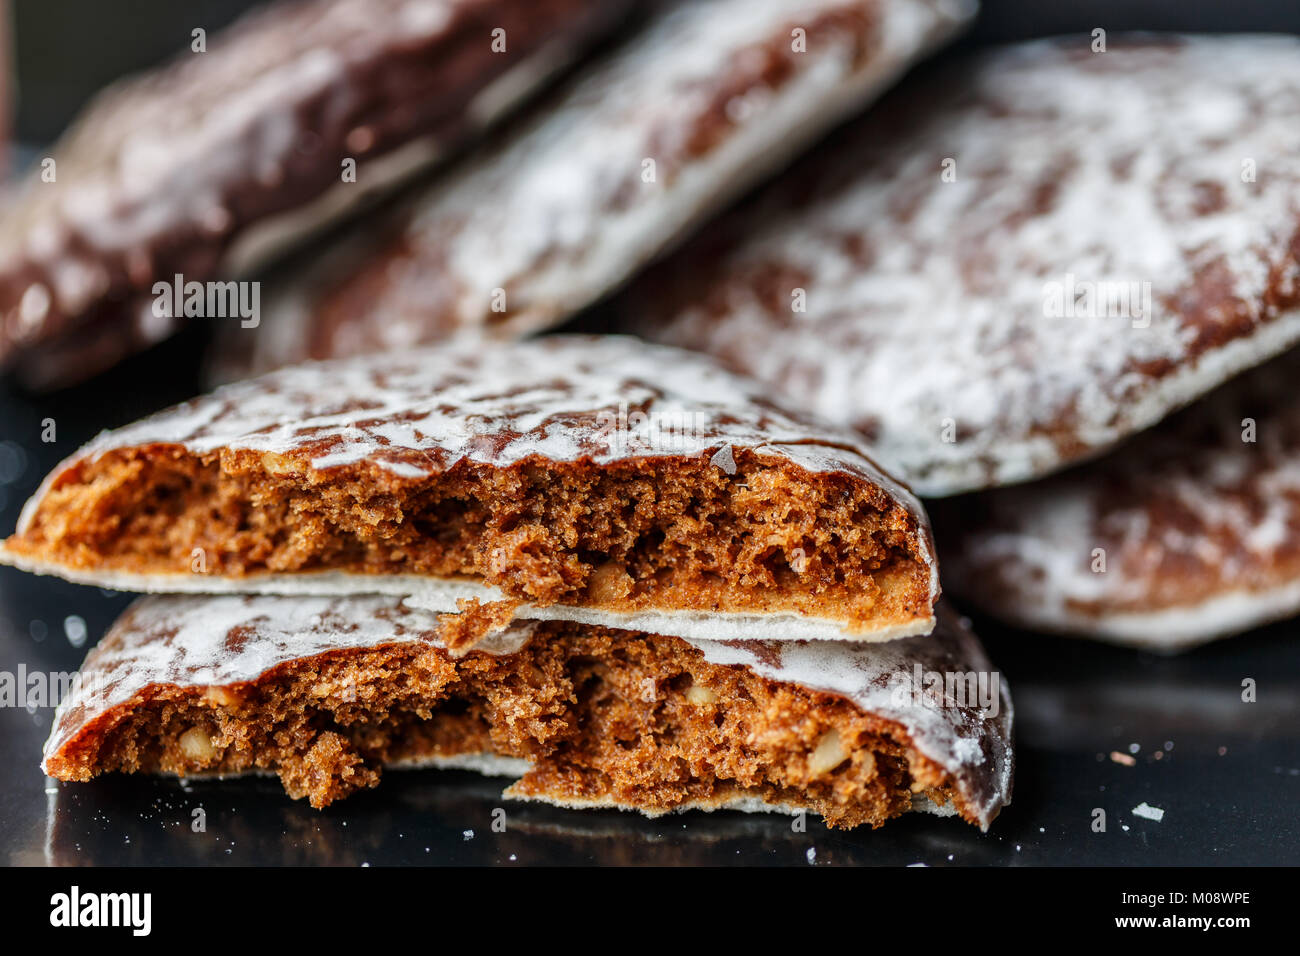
[(593, 479), (326, 691), (208, 166), (668, 127), (1188, 532), (1018, 261)]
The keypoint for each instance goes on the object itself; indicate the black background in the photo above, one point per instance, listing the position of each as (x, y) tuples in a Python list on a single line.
[(1227, 773)]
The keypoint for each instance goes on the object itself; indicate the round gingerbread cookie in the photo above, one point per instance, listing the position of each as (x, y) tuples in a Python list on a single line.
[(256, 137), (1188, 532), (1019, 260)]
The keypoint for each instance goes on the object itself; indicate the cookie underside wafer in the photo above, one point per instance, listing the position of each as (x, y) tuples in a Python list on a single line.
[(1189, 532), (325, 692), (591, 479), (212, 165), (683, 116), (1012, 264)]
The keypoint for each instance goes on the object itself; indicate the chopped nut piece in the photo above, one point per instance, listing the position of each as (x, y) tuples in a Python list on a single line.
[(222, 696), (699, 696), (609, 582), (474, 621), (830, 753), (197, 746)]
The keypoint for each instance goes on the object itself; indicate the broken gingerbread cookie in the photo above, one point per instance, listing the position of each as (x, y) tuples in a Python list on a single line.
[(595, 479), (326, 692)]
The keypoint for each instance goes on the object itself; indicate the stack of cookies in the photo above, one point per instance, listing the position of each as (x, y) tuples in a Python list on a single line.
[(608, 568), (663, 570), (611, 570)]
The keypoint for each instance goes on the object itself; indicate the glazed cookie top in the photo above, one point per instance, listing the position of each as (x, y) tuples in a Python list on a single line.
[(561, 398), (1017, 261), (222, 641), (681, 116)]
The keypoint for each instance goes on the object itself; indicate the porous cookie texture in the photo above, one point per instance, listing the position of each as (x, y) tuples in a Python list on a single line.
[(214, 163), (1189, 532), (683, 116), (1019, 260), (594, 479), (326, 692)]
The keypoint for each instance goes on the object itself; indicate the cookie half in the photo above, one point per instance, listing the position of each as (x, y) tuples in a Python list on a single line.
[(593, 479), (683, 116), (326, 692), (209, 166), (1015, 262), (1189, 532)]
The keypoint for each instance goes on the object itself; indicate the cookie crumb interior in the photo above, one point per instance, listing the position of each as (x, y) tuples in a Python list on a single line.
[(641, 533), (600, 714)]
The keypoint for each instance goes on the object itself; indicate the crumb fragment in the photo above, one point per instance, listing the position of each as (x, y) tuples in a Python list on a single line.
[(474, 621), (1148, 812)]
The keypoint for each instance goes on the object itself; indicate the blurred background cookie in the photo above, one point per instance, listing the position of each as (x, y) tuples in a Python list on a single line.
[(1187, 532), (214, 163), (1013, 263), (680, 118)]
